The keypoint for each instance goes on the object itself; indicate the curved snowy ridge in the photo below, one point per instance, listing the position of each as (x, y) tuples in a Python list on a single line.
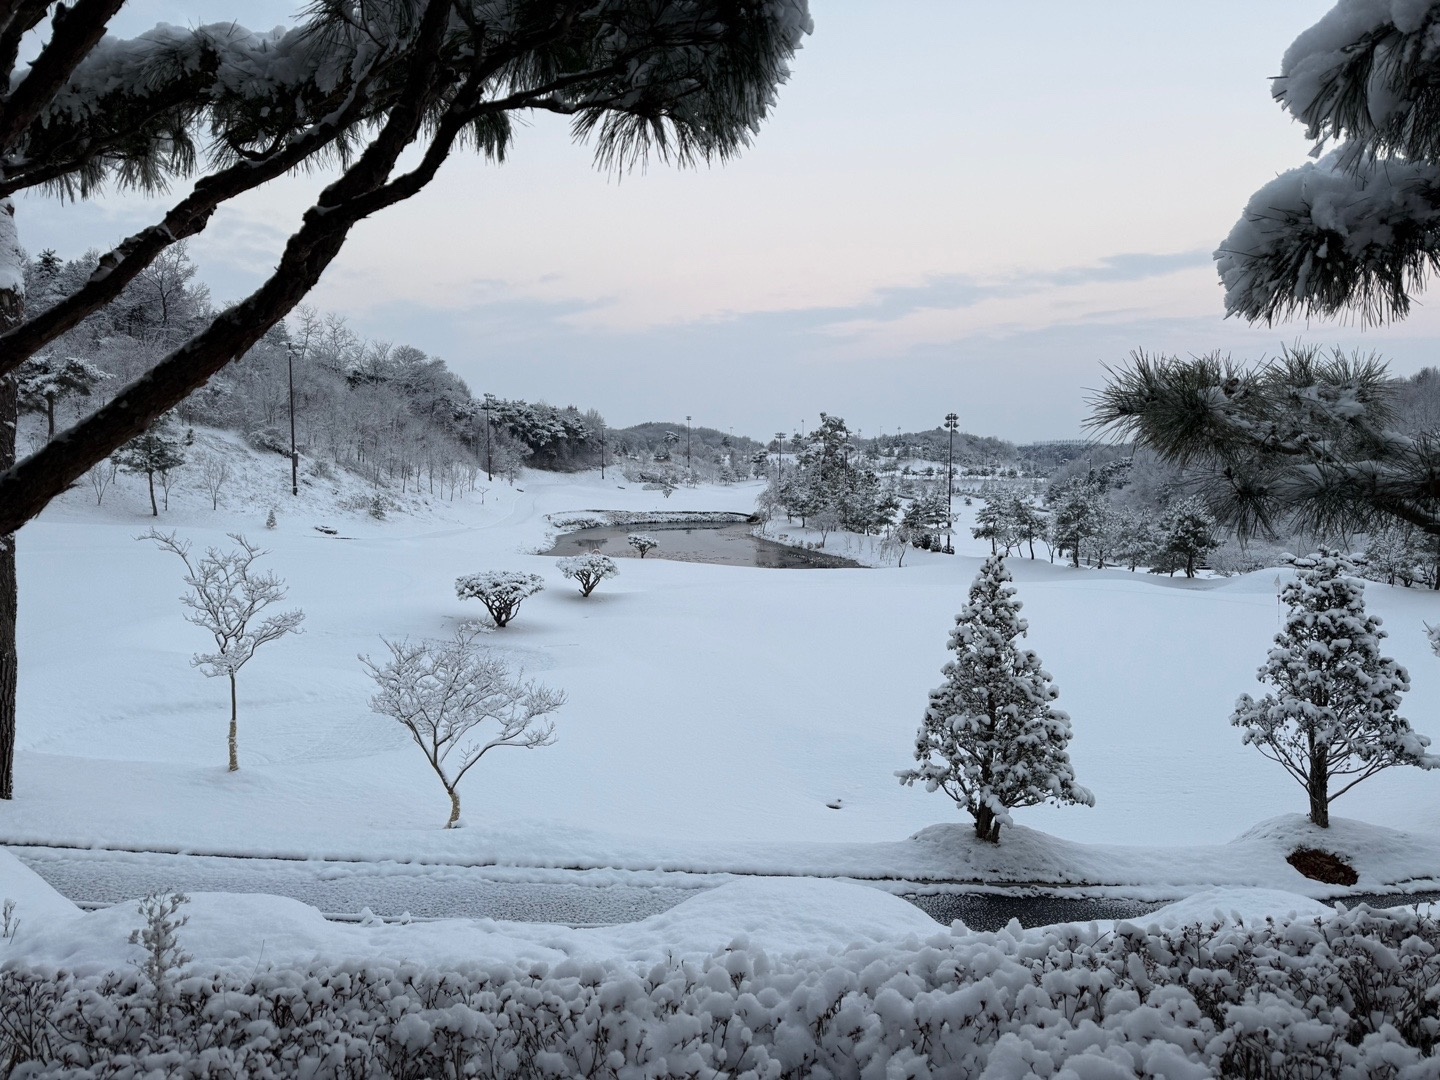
[(1349, 995)]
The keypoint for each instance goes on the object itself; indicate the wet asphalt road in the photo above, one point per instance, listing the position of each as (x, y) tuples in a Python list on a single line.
[(391, 890)]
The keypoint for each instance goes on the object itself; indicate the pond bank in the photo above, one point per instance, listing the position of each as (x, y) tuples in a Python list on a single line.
[(722, 539)]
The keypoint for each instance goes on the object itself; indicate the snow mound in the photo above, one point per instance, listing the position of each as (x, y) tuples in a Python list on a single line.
[(36, 903), (1241, 907), (777, 915)]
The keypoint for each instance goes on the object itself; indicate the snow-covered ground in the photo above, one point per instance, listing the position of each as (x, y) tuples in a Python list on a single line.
[(713, 711)]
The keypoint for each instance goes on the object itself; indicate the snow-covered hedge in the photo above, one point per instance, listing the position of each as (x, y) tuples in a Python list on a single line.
[(1354, 995)]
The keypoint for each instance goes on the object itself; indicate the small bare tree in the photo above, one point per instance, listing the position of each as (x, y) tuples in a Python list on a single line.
[(444, 692), (101, 476), (227, 596), (214, 472), (588, 570), (168, 479)]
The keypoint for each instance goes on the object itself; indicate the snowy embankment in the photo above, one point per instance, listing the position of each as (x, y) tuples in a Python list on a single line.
[(716, 714)]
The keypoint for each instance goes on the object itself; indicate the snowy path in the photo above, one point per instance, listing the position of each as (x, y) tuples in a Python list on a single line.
[(388, 889)]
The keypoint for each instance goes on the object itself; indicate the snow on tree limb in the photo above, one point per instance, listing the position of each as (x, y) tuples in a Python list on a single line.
[(1325, 238)]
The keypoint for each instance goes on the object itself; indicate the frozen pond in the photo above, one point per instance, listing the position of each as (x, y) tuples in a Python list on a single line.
[(726, 542)]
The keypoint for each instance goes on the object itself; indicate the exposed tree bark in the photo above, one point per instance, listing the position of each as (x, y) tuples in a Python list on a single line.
[(12, 311), (9, 590), (234, 726), (987, 827), (1319, 787), (454, 807)]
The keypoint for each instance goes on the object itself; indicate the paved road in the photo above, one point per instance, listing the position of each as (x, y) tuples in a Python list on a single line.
[(104, 877), (423, 891)]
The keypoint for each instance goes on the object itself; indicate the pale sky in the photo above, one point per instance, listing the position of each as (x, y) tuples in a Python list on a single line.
[(957, 205)]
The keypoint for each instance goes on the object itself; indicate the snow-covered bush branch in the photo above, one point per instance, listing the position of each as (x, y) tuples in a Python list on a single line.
[(1351, 995)]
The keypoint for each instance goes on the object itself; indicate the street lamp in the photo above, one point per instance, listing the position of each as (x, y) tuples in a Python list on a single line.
[(952, 423), (294, 451), (688, 467), (489, 456), (602, 450)]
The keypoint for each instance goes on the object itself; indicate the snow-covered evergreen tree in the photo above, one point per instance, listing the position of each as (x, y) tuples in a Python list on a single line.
[(991, 739), (1187, 535), (1075, 515), (1333, 718), (157, 451), (1396, 555), (47, 379)]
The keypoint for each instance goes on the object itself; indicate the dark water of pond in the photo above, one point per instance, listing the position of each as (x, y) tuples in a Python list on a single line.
[(729, 543)]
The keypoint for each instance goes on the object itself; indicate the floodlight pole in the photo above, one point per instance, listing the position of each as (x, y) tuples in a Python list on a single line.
[(489, 456), (952, 422), (688, 467), (294, 450)]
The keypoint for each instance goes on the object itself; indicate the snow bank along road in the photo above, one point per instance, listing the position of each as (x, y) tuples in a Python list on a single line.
[(573, 898)]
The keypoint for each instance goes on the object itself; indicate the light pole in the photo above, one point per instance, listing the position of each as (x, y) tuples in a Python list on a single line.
[(688, 466), (780, 458), (602, 451), (489, 457), (294, 451), (952, 422)]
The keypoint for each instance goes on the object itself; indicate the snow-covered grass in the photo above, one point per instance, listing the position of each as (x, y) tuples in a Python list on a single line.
[(714, 712)]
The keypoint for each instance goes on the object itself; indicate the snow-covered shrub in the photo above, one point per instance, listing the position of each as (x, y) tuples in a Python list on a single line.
[(1334, 716), (459, 701), (501, 591), (990, 739), (1351, 996), (269, 439), (160, 938), (588, 570), (642, 543)]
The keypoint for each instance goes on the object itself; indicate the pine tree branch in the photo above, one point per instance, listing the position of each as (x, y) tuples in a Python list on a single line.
[(125, 262), (77, 30)]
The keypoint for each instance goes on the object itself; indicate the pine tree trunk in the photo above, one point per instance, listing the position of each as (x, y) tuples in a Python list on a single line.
[(12, 311), (987, 826), (234, 727), (1319, 788), (154, 509), (454, 808), (9, 585), (49, 418)]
